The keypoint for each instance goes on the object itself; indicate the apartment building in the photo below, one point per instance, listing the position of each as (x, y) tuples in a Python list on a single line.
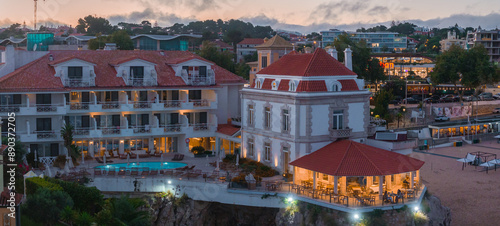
[(489, 39), (118, 101), (378, 42)]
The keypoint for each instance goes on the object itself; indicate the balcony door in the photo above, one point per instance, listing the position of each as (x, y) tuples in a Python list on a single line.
[(43, 124), (194, 94), (43, 99)]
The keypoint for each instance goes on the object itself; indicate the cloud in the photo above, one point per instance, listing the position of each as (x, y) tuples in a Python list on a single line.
[(378, 10), (6, 22), (164, 19), (260, 19)]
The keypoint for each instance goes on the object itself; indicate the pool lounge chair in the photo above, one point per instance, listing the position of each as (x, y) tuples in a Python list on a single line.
[(168, 173), (111, 171), (468, 159), (145, 171), (153, 173), (121, 171), (194, 174), (134, 172), (97, 172), (178, 157)]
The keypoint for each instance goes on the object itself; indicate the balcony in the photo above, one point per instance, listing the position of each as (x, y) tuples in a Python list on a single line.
[(200, 126), (141, 129), (79, 82), (171, 128), (141, 82), (171, 103), (340, 133), (110, 105), (46, 108), (81, 131), (10, 108), (110, 130), (195, 79), (141, 104), (200, 103), (45, 135), (79, 106)]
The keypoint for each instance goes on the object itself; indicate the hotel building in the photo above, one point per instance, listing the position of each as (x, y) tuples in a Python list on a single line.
[(117, 101)]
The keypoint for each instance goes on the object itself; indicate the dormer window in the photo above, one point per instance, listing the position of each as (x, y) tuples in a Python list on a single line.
[(195, 70), (292, 86), (137, 72), (75, 72), (257, 84), (335, 88), (274, 84)]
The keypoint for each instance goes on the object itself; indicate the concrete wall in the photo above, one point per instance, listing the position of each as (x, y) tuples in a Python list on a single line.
[(15, 59)]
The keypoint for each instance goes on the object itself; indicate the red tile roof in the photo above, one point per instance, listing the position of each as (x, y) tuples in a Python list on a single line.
[(39, 74), (267, 84), (251, 41), (349, 158), (319, 63), (349, 85), (284, 85), (227, 129), (311, 86)]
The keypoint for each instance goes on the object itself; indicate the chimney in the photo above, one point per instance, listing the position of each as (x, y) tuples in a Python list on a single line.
[(348, 58), (333, 52), (8, 57), (51, 58)]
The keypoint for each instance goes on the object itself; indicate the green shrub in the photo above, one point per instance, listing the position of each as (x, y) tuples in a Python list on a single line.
[(197, 150), (86, 198), (420, 218), (229, 158), (84, 219), (46, 205), (60, 161), (35, 183)]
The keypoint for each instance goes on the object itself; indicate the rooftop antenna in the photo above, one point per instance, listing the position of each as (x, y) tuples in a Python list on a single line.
[(36, 3)]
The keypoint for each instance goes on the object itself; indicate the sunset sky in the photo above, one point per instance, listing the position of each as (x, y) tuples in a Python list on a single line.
[(291, 14)]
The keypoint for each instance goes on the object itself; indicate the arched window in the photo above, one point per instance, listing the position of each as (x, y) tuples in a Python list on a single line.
[(292, 86), (257, 84), (335, 88)]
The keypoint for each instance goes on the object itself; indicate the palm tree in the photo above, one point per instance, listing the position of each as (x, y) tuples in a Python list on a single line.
[(123, 211), (67, 135), (68, 215)]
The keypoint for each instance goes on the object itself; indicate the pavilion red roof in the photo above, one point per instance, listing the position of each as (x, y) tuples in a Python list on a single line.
[(350, 158), (319, 63), (227, 129), (251, 41)]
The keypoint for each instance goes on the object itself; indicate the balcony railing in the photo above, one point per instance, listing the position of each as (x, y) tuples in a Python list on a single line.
[(81, 131), (199, 126), (10, 108), (141, 129), (46, 108), (110, 104), (79, 82), (171, 127), (79, 106), (195, 79), (45, 134), (199, 103), (340, 133), (142, 82), (110, 130), (142, 104), (171, 103)]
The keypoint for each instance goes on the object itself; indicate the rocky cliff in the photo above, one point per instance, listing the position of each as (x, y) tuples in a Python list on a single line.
[(167, 210)]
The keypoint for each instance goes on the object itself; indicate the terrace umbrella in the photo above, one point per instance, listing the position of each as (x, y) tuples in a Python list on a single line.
[(161, 159), (128, 159), (237, 159), (66, 167), (47, 171), (217, 165), (104, 159), (137, 157)]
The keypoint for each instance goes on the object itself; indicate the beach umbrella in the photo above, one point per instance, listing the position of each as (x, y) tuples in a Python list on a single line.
[(161, 159), (237, 159), (217, 165), (104, 159), (48, 171), (137, 158), (66, 167), (128, 159)]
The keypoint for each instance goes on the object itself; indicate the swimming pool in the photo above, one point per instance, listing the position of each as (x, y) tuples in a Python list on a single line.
[(150, 165)]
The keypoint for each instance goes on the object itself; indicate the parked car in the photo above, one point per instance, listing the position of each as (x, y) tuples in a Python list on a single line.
[(471, 98), (442, 118), (485, 96), (496, 96), (433, 99), (409, 100), (496, 110), (395, 102), (447, 98)]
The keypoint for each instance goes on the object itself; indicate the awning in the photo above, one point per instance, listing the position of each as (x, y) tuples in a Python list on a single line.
[(349, 158)]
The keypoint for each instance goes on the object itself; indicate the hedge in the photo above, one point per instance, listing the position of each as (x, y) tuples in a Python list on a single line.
[(34, 183), (87, 199)]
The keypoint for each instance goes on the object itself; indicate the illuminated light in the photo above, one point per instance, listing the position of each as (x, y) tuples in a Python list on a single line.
[(416, 208), (289, 199), (356, 216), (169, 182)]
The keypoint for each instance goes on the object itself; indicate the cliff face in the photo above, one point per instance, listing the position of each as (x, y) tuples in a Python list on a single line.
[(185, 211)]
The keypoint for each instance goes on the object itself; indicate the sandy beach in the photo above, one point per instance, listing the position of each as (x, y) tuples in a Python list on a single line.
[(472, 194)]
